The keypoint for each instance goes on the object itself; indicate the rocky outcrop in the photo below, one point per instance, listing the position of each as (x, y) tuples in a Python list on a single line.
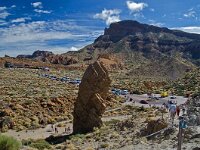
[(151, 40), (145, 48), (47, 56), (91, 101), (193, 110), (155, 125)]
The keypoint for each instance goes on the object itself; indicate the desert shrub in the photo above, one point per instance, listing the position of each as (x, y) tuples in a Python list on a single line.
[(77, 136), (112, 121), (104, 145), (135, 92), (140, 109), (39, 144), (9, 143)]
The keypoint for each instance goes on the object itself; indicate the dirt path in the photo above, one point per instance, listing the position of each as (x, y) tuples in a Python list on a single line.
[(39, 133), (42, 133)]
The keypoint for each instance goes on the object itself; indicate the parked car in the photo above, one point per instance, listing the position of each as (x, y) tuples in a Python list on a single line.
[(53, 77), (73, 82), (144, 102), (124, 92), (156, 98), (113, 90), (116, 91), (46, 75), (65, 79), (78, 81), (172, 97)]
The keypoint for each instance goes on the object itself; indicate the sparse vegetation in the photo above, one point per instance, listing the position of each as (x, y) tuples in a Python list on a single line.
[(9, 143), (38, 144)]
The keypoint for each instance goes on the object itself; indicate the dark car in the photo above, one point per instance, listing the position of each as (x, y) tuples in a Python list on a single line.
[(156, 98), (172, 97), (144, 102), (73, 81)]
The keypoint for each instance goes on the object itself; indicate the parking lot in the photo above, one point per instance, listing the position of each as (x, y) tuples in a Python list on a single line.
[(64, 79), (153, 102)]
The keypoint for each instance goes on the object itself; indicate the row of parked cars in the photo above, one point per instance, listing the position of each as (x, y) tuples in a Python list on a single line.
[(119, 91), (63, 79)]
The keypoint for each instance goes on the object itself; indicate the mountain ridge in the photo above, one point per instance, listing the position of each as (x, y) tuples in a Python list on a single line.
[(141, 47)]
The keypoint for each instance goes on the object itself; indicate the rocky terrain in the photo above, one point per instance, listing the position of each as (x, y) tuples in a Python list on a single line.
[(49, 57), (146, 50), (139, 57), (194, 110), (142, 50), (188, 85), (29, 101), (36, 64), (133, 131), (23, 90)]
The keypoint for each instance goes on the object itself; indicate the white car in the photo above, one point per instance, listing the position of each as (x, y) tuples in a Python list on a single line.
[(124, 92), (172, 97)]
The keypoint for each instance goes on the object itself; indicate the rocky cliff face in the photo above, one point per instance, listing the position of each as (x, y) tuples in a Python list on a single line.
[(193, 110), (49, 57), (146, 48), (91, 101), (134, 36)]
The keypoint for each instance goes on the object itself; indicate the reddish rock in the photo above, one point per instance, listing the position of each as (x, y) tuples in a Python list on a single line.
[(50, 57), (91, 101)]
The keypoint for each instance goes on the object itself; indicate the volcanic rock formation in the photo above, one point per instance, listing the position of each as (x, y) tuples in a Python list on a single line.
[(91, 101), (46, 56), (193, 110)]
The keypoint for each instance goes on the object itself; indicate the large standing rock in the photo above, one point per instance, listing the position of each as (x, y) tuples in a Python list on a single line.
[(90, 104)]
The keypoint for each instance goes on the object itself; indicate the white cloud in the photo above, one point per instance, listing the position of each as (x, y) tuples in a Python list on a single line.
[(136, 7), (18, 20), (138, 15), (24, 38), (158, 24), (190, 29), (3, 8), (34, 31), (3, 12), (73, 48), (56, 50), (13, 6), (42, 11), (37, 5), (38, 8), (4, 15), (152, 9), (154, 23), (3, 23), (109, 16), (190, 14)]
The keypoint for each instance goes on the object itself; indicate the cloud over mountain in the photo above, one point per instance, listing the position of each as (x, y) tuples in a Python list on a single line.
[(109, 16)]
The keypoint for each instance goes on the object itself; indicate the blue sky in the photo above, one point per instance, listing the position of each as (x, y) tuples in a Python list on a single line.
[(63, 25)]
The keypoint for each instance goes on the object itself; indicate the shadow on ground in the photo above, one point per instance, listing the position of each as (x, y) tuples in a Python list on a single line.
[(58, 139)]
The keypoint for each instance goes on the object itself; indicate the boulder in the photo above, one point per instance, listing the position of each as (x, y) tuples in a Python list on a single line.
[(155, 125), (92, 97)]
